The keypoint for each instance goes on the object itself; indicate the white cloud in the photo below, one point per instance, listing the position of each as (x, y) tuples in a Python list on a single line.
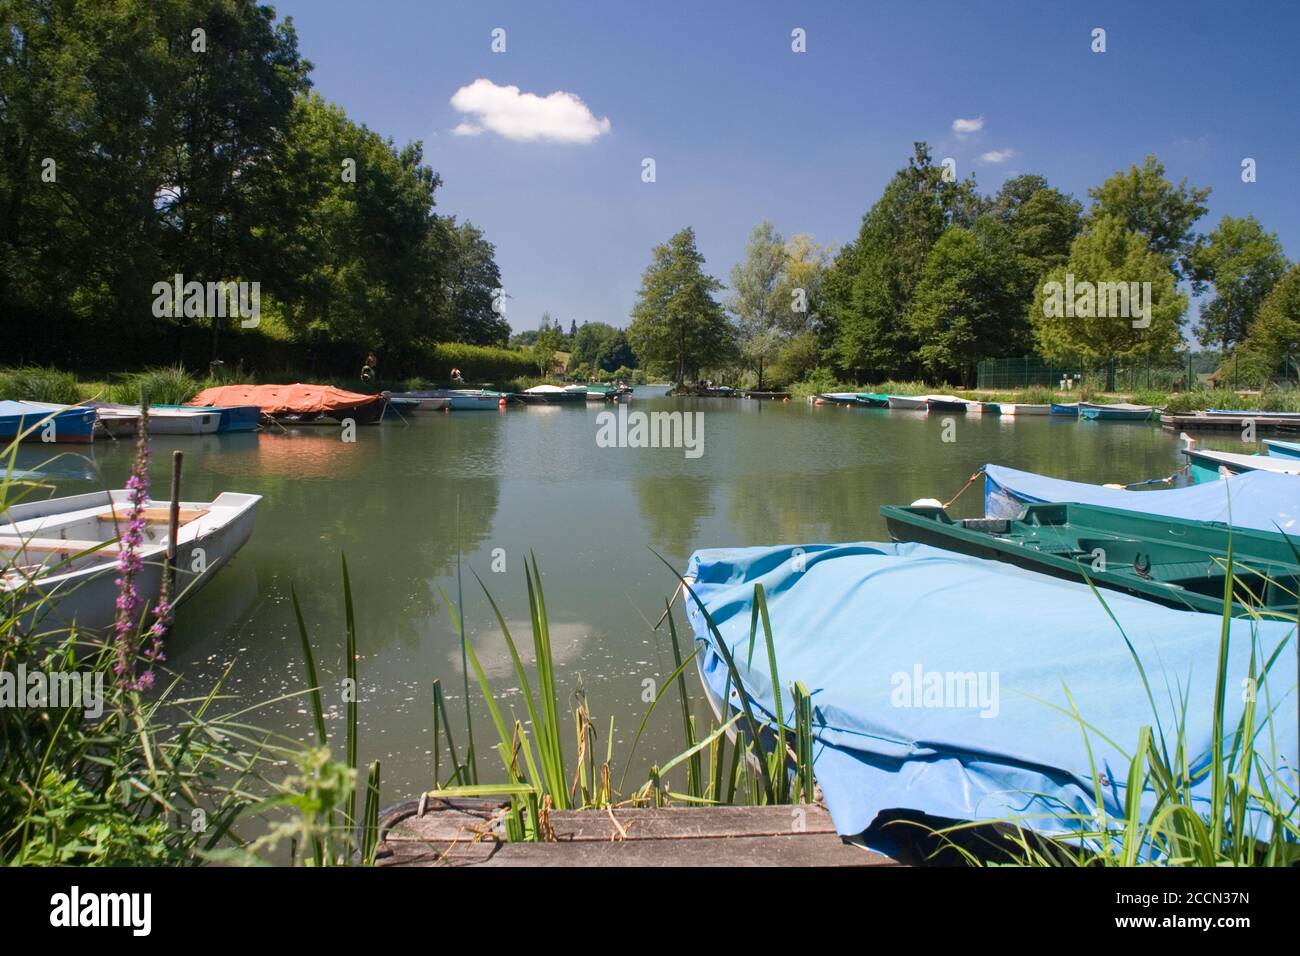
[(964, 127), (997, 155), (560, 117)]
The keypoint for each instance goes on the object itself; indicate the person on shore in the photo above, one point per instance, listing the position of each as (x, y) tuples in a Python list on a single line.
[(456, 377), (369, 370)]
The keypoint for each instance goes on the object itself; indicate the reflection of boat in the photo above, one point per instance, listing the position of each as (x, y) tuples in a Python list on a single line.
[(298, 404), (989, 668), (41, 463), (1210, 465), (1118, 412), (62, 424), (59, 557), (1175, 561)]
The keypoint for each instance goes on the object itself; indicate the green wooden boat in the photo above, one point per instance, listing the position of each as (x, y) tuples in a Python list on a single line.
[(1174, 561), (874, 399)]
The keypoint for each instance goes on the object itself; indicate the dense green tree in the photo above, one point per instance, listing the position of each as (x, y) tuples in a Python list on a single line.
[(677, 324), (1145, 202), (872, 280), (599, 345), (472, 295), (1275, 335), (550, 336), (1243, 262), (1041, 223), (966, 306), (755, 298), (1076, 317)]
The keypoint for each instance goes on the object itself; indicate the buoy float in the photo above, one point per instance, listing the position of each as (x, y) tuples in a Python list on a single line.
[(501, 402)]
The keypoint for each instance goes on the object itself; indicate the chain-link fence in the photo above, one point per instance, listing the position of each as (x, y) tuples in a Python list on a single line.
[(1028, 371)]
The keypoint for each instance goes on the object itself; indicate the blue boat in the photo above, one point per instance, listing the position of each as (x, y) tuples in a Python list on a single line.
[(1258, 500), (1282, 449), (234, 418), (73, 424), (1209, 466), (947, 686), (1119, 412), (1066, 408)]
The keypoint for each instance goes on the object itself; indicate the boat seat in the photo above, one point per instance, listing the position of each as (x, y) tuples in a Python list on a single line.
[(1176, 571), (156, 515)]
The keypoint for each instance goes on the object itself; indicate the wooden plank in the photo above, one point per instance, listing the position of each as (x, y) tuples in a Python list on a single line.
[(470, 833), (54, 546), (160, 515)]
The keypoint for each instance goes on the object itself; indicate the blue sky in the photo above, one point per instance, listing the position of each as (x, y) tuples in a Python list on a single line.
[(741, 128)]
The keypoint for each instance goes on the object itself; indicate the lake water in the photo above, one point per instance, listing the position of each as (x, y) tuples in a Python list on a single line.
[(402, 499)]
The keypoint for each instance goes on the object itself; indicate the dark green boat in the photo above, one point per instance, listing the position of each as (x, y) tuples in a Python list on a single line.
[(1170, 560)]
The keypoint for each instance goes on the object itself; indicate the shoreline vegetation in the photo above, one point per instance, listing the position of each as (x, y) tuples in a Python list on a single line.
[(175, 386)]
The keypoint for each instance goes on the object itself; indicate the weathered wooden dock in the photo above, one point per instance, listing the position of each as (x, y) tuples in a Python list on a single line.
[(1262, 422), (472, 833)]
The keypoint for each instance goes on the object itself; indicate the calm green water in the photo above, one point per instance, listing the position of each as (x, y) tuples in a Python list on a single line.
[(399, 500)]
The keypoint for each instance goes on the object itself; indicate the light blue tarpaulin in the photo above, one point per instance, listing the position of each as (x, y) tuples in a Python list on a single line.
[(938, 680), (1258, 500)]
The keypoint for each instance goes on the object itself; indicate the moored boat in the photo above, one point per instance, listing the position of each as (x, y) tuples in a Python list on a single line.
[(1118, 412), (839, 398), (1257, 499), (948, 404), (1065, 408), (473, 399), (59, 424), (1021, 408), (1282, 449), (58, 557), (1208, 465), (874, 399), (235, 418), (989, 667), (553, 395), (908, 403), (427, 400), (297, 404), (1176, 561)]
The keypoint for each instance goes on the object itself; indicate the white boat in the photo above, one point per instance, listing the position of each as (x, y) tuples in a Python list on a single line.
[(61, 554), (120, 420), (1020, 408), (909, 403), (471, 399)]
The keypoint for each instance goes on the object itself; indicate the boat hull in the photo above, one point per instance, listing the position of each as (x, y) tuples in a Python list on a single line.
[(70, 425), (907, 403), (1177, 562), (87, 595), (1071, 411), (1016, 409)]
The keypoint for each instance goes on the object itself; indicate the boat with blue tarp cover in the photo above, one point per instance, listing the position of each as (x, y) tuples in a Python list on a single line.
[(1258, 500), (947, 686)]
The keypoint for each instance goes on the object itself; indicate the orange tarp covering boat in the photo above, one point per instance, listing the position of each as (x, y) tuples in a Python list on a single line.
[(277, 400)]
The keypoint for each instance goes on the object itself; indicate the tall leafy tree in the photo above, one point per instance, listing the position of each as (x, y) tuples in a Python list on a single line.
[(677, 324), (1069, 318), (600, 345), (1275, 335), (1041, 223), (472, 284), (966, 305), (1243, 262), (755, 297), (874, 277), (1145, 202)]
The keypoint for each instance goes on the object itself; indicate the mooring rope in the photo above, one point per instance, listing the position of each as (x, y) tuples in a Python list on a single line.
[(969, 481)]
